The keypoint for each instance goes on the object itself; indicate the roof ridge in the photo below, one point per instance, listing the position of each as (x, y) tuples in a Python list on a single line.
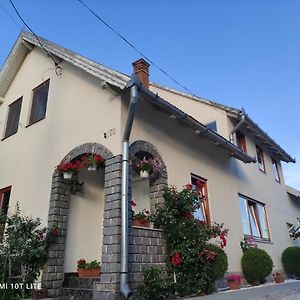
[(197, 98)]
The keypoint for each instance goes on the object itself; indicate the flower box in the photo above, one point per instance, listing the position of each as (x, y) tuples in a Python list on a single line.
[(85, 272), (234, 285), (67, 175), (141, 223), (278, 278), (144, 174)]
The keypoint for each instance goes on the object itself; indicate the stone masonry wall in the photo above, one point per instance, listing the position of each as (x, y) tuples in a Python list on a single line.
[(147, 248)]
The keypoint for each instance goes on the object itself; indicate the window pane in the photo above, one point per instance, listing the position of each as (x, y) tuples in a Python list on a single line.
[(253, 221), (263, 221), (260, 158), (241, 141), (39, 102), (212, 126), (275, 170), (13, 118), (244, 215)]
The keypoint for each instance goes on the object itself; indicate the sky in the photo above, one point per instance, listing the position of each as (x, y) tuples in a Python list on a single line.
[(241, 53)]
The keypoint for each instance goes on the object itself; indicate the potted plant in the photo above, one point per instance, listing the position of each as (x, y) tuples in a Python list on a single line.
[(92, 161), (141, 219), (234, 281), (146, 167), (69, 168), (92, 269), (278, 277)]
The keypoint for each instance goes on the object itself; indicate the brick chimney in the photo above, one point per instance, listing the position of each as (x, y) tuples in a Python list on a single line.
[(141, 69)]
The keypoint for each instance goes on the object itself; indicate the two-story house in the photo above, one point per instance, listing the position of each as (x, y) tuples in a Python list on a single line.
[(56, 112)]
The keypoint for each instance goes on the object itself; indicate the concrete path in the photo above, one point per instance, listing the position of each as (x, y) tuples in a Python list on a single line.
[(282, 291)]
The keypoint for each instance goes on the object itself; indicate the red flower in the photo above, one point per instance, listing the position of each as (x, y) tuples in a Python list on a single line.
[(133, 203), (53, 231), (199, 184), (176, 259), (189, 186)]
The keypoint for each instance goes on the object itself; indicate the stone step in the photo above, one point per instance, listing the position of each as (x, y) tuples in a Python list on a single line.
[(77, 294)]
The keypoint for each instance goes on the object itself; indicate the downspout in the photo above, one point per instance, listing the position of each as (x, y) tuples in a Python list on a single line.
[(236, 127), (124, 288)]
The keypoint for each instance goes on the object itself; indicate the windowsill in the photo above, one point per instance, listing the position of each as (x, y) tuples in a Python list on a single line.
[(35, 122), (259, 240), (8, 136)]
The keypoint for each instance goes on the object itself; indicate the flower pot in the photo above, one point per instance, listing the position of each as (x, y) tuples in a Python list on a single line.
[(67, 175), (140, 223), (95, 272), (234, 285), (144, 174), (92, 168), (278, 279)]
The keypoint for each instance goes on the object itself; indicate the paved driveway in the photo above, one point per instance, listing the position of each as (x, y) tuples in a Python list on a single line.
[(283, 291)]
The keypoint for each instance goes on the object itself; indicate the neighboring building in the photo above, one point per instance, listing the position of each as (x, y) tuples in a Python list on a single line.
[(51, 114)]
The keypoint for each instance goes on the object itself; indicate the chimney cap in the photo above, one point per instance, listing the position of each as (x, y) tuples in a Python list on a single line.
[(141, 61)]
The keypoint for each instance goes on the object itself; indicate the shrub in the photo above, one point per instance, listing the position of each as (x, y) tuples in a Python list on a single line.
[(156, 286), (291, 260), (192, 260), (220, 264), (23, 252), (256, 265)]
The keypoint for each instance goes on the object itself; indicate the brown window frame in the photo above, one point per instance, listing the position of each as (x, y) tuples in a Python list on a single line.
[(2, 194), (241, 141), (10, 128), (252, 208), (34, 116), (275, 169), (259, 152), (204, 202)]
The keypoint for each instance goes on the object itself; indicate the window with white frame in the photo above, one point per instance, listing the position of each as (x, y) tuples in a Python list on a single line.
[(254, 218), (201, 213)]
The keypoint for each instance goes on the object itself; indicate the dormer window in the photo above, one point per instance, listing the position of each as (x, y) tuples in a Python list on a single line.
[(39, 102), (260, 159), (275, 170), (241, 141)]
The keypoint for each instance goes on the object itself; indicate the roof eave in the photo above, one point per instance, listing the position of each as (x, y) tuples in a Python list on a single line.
[(269, 143)]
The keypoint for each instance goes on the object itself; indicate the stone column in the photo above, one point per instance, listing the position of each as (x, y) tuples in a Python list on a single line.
[(53, 273), (108, 288)]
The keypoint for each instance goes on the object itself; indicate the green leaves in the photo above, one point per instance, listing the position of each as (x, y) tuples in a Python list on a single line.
[(187, 239)]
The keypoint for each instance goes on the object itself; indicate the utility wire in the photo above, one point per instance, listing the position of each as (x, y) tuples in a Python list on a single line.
[(135, 48), (10, 16), (23, 21)]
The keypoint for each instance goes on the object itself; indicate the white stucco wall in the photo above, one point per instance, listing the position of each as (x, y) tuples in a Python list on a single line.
[(184, 153), (85, 224), (78, 111)]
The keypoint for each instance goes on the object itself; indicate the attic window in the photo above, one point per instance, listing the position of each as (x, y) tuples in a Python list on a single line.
[(241, 141), (39, 102), (275, 170), (212, 126), (260, 159), (13, 118)]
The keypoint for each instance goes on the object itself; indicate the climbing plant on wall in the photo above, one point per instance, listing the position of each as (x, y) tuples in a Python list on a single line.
[(194, 264)]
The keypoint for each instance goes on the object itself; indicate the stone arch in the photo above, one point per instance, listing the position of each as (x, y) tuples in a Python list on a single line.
[(157, 185), (53, 273)]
